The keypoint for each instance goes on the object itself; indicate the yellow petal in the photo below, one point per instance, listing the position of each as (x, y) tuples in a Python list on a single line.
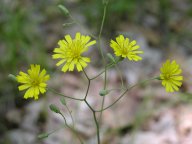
[(68, 38), (23, 87), (90, 43)]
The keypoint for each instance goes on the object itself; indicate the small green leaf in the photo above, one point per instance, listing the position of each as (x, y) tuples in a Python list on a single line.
[(63, 101), (103, 92), (63, 9), (54, 108), (43, 135)]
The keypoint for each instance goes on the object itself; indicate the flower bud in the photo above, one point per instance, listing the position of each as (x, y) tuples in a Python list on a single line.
[(63, 101), (103, 92), (64, 9), (12, 77), (43, 135), (54, 108)]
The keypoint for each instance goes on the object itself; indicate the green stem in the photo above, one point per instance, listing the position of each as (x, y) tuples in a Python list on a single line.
[(90, 107), (120, 75), (86, 75), (114, 89), (110, 65), (89, 82), (107, 67), (78, 23), (103, 20), (97, 127), (72, 129), (100, 32), (55, 92), (104, 61), (73, 123), (142, 82)]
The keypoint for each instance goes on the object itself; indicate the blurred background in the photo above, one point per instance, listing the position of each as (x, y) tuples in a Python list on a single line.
[(30, 30)]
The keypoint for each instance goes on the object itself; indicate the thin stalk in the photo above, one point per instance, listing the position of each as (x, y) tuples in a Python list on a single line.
[(72, 129), (89, 82), (90, 107), (106, 67), (100, 32), (103, 20), (55, 92), (86, 75), (142, 82), (86, 94), (97, 127), (73, 123), (78, 23), (104, 61)]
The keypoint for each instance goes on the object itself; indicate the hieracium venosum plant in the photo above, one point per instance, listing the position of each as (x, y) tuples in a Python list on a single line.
[(71, 55)]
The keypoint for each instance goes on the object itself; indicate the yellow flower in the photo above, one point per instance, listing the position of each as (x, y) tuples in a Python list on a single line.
[(171, 76), (34, 81), (125, 48), (70, 52)]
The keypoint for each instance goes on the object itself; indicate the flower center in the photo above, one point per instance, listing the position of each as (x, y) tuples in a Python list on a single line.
[(167, 76), (124, 51), (35, 82), (75, 54), (76, 49)]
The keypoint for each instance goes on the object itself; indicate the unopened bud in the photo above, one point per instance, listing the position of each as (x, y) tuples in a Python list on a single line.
[(54, 108), (103, 92), (43, 135), (12, 77), (64, 9), (63, 101)]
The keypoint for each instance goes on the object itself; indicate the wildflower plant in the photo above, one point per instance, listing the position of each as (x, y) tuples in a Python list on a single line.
[(71, 55)]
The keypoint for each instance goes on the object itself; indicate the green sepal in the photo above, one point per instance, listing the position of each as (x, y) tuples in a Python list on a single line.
[(105, 2)]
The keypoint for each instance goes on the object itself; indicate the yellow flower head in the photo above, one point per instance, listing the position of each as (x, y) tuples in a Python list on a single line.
[(34, 81), (125, 48), (171, 76), (70, 52)]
